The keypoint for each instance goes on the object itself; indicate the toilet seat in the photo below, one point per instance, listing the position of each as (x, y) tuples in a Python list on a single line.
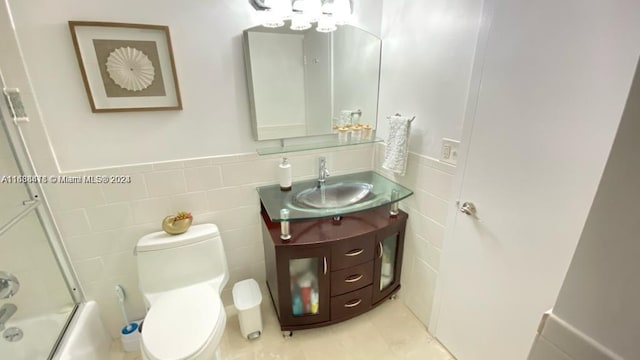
[(183, 323)]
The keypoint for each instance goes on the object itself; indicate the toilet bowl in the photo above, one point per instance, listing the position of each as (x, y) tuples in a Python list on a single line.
[(184, 324), (181, 277)]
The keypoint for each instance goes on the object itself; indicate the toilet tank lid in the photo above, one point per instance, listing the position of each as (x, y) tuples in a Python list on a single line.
[(161, 240)]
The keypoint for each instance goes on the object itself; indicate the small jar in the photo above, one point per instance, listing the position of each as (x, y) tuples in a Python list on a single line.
[(343, 135), (367, 131), (356, 133)]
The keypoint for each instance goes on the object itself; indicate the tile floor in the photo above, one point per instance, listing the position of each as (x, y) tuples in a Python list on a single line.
[(390, 331)]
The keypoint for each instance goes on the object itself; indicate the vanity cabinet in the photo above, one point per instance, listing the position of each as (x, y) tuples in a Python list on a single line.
[(330, 271)]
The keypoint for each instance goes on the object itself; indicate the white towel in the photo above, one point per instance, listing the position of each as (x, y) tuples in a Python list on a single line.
[(395, 156)]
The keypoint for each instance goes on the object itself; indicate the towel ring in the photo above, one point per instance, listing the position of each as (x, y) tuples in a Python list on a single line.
[(410, 120)]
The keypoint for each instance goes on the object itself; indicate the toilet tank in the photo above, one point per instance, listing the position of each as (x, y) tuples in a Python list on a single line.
[(167, 262)]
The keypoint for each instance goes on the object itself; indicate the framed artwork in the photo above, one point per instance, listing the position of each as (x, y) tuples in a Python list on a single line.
[(126, 67)]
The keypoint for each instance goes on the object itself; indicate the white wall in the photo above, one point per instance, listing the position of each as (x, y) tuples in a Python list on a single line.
[(427, 55), (207, 45), (601, 292)]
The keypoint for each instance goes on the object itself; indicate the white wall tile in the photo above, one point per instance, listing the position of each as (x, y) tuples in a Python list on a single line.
[(350, 160), (151, 210), (251, 172), (232, 197), (245, 256), (434, 232), (231, 219), (109, 216), (135, 190), (120, 264), (90, 245), (203, 178), (72, 223), (195, 202), (171, 165), (425, 279), (242, 237), (125, 239), (74, 196), (427, 252), (436, 182), (165, 183), (197, 162), (431, 206), (89, 270)]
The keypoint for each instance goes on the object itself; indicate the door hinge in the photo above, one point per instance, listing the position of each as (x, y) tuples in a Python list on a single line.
[(14, 100)]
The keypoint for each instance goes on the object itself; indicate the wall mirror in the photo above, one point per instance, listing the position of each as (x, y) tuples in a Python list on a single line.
[(306, 83)]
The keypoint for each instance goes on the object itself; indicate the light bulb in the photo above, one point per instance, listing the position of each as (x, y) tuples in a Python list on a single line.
[(271, 19), (326, 24), (313, 9), (282, 8), (342, 11), (300, 22)]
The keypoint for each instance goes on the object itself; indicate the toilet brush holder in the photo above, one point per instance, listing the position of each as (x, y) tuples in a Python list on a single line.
[(130, 337)]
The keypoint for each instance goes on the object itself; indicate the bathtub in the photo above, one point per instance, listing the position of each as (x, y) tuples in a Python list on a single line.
[(39, 333), (86, 337)]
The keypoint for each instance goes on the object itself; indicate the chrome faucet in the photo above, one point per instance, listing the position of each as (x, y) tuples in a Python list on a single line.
[(323, 173), (6, 311)]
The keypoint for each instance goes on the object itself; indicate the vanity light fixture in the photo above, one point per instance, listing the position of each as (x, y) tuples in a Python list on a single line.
[(327, 13)]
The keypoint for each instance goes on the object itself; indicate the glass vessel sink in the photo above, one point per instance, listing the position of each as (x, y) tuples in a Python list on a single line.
[(343, 194), (334, 195)]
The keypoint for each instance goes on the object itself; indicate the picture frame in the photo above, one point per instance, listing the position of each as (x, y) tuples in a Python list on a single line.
[(126, 67)]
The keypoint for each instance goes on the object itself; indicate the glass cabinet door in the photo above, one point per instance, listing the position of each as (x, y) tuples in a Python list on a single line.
[(388, 264), (307, 299), (387, 270), (304, 285)]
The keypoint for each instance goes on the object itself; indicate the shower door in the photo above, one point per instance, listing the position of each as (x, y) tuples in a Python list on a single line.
[(35, 299)]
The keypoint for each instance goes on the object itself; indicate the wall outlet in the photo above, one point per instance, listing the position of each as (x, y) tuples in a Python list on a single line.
[(449, 153)]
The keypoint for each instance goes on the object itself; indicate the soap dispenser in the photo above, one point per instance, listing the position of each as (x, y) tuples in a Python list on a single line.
[(284, 174)]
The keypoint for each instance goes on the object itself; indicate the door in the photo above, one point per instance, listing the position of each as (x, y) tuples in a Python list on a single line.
[(388, 262), (303, 273), (547, 102)]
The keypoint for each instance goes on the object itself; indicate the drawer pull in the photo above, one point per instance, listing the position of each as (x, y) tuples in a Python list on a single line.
[(353, 303), (353, 278), (354, 252)]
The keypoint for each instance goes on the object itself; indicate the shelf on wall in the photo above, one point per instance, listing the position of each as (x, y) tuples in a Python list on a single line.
[(331, 143)]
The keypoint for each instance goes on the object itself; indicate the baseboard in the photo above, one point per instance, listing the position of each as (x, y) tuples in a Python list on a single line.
[(559, 340)]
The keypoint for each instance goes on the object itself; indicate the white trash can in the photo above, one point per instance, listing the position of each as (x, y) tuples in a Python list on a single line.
[(247, 298)]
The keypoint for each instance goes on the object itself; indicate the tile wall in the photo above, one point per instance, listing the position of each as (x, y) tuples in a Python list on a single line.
[(431, 182), (100, 224)]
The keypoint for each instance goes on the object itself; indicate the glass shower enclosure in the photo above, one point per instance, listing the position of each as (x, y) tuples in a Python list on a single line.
[(38, 292)]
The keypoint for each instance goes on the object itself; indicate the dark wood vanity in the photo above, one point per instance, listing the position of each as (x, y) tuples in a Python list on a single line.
[(331, 270)]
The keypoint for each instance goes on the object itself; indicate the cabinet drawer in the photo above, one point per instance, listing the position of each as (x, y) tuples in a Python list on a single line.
[(347, 253), (351, 304), (352, 278)]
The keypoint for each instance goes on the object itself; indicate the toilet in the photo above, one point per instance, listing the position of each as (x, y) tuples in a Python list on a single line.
[(181, 278)]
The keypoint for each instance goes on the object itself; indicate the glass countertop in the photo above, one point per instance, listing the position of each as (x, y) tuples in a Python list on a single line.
[(274, 200)]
